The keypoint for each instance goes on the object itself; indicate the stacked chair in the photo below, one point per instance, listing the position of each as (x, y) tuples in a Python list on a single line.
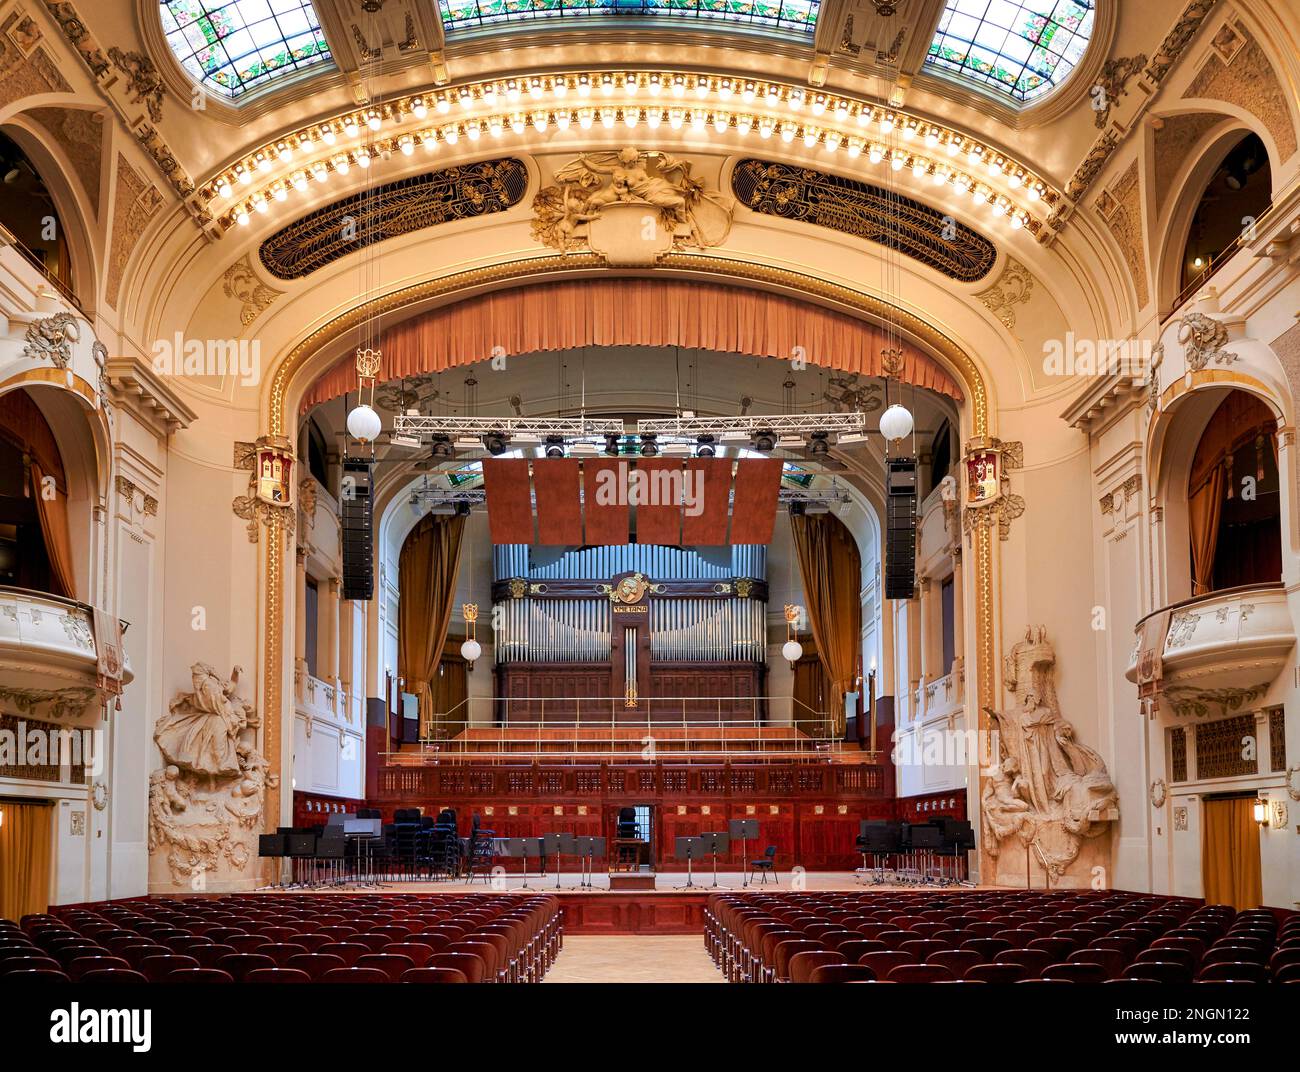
[(997, 937), (484, 938)]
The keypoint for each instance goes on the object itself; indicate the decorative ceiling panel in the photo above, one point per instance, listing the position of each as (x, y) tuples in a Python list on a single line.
[(866, 211), (396, 208)]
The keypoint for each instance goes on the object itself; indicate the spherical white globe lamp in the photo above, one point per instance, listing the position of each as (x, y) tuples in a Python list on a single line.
[(895, 423), (471, 650), (793, 651), (364, 424)]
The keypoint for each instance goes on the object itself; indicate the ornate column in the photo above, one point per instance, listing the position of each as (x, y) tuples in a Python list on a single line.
[(330, 633), (300, 609)]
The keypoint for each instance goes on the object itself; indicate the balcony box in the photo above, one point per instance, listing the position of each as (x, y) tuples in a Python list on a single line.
[(1223, 650), (49, 661)]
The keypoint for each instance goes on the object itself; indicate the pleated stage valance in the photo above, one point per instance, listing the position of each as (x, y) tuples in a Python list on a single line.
[(635, 312)]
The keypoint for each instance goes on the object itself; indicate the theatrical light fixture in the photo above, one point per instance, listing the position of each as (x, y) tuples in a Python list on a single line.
[(704, 447), (818, 444), (764, 441), (611, 445), (649, 448), (494, 444), (442, 447), (555, 446), (396, 440)]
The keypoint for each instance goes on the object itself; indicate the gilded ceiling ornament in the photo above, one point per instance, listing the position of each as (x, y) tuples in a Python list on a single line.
[(241, 283), (585, 189), (143, 80), (848, 395), (1202, 338), (1014, 286), (1112, 84), (1153, 376), (51, 339), (865, 211), (1090, 167), (1178, 38), (75, 31), (395, 208)]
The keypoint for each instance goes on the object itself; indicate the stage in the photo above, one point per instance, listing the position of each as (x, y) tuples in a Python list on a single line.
[(668, 909)]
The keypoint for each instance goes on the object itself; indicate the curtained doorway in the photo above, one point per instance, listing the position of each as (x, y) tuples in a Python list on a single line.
[(1230, 864), (26, 857)]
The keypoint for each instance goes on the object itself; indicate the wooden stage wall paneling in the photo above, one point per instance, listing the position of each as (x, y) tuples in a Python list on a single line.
[(810, 812), (634, 913)]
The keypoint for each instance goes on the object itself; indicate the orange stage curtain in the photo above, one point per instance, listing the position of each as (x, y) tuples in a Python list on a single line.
[(26, 847), (1230, 853), (1203, 509), (832, 575), (634, 312), (53, 513), (426, 572)]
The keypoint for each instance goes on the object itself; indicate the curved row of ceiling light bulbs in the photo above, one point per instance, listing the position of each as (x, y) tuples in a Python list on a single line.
[(767, 109)]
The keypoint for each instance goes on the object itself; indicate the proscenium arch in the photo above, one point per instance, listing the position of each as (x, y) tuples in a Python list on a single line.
[(297, 368)]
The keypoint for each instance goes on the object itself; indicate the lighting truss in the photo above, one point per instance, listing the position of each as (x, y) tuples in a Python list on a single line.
[(793, 424), (833, 496), (507, 427)]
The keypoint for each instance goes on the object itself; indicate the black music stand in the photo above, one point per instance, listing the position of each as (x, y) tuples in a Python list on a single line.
[(926, 839), (516, 848), (300, 847), (689, 847), (551, 849), (715, 843), (597, 846), (880, 841), (742, 830), (566, 845), (272, 847), (363, 833)]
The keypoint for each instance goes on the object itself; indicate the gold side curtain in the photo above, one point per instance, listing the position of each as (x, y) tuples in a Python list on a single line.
[(1230, 853), (26, 847), (831, 571), (426, 577), (1203, 511), (23, 424)]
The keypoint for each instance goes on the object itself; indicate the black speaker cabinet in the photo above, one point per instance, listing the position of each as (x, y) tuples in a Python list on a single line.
[(357, 510), (900, 528)]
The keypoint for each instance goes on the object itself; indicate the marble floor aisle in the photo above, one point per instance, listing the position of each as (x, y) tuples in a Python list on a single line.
[(633, 958)]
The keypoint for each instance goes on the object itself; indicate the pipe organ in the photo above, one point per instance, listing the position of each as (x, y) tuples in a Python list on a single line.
[(631, 632)]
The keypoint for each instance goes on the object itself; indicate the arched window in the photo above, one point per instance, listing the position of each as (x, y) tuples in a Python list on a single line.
[(27, 212), (233, 46), (1021, 47), (788, 16), (35, 548), (1234, 516), (1237, 194)]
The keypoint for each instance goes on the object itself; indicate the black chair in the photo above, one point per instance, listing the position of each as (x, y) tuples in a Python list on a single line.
[(482, 855), (765, 863)]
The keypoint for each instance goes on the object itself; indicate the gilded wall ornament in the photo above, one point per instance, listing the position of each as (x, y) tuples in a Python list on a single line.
[(241, 283), (1202, 338), (1014, 287), (51, 339), (1177, 39), (1113, 84), (1159, 793), (587, 188), (865, 211)]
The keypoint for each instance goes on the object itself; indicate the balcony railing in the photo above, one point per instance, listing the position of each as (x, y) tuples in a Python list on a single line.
[(8, 238)]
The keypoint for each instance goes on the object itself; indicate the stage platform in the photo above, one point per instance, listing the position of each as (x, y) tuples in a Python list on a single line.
[(667, 909)]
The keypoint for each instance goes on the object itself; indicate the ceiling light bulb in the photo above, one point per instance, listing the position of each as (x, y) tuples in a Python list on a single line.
[(263, 163), (518, 123), (245, 177), (373, 120), (328, 136), (450, 135), (787, 133), (876, 154), (562, 120), (443, 106), (419, 109), (743, 123), (241, 216), (560, 87), (702, 88), (223, 188), (363, 159), (299, 181), (810, 137), (284, 152), (541, 121), (608, 117), (279, 191), (675, 118), (341, 164), (631, 117), (698, 120), (473, 131)]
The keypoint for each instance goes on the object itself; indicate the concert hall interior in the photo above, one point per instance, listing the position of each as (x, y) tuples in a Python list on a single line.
[(649, 491)]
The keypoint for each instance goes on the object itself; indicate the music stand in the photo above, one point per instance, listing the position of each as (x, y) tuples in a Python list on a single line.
[(301, 847), (599, 847), (715, 843), (517, 848), (742, 830), (272, 847), (926, 838), (551, 849), (689, 847)]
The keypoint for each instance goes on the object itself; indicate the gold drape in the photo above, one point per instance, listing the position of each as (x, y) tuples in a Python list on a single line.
[(450, 687), (26, 847), (53, 512), (426, 578), (1230, 853), (1203, 509), (832, 575)]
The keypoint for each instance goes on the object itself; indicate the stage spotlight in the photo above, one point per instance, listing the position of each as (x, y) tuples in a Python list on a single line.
[(764, 441), (649, 448), (555, 446), (798, 508), (442, 447), (705, 447), (462, 509), (611, 445), (819, 445), (495, 444)]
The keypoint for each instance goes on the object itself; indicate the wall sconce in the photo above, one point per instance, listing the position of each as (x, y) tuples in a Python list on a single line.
[(1261, 811)]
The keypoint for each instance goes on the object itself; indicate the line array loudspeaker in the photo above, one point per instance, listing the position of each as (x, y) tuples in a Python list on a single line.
[(357, 518), (900, 528)]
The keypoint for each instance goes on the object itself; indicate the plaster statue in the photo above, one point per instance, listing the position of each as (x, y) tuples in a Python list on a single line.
[(206, 802), (584, 188), (1047, 788)]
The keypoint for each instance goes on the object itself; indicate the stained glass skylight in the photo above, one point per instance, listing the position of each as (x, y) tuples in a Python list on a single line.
[(233, 46), (1022, 47), (789, 16)]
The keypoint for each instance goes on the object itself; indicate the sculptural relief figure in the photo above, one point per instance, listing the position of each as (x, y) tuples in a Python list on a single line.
[(584, 188), (1063, 785), (205, 804)]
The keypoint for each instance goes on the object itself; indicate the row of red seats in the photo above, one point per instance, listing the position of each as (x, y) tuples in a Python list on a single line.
[(289, 939), (996, 936)]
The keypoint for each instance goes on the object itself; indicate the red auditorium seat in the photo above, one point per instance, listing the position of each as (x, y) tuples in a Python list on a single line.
[(884, 963), (803, 964), (921, 973), (238, 965), (81, 965), (1034, 960), (783, 953), (1232, 971), (355, 975), (1159, 971), (434, 975), (277, 975), (391, 964), (14, 965), (350, 952), (988, 948), (36, 975), (111, 975), (415, 952), (957, 961), (995, 973), (1076, 972), (842, 973), (919, 950), (156, 968), (469, 966)]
